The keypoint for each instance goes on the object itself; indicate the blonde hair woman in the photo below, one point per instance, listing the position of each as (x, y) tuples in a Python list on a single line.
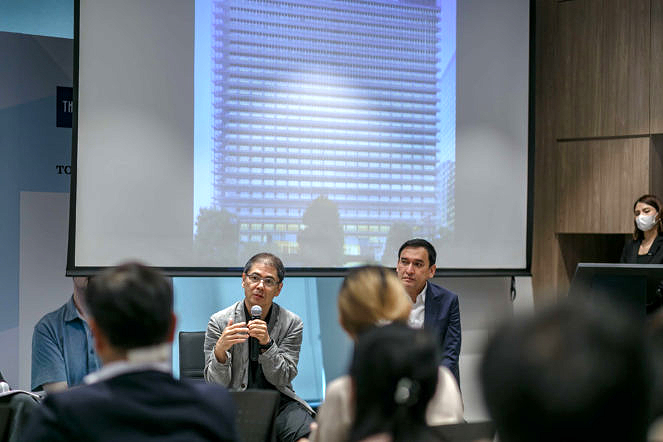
[(372, 296)]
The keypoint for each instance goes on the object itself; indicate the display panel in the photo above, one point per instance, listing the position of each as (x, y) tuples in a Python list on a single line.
[(327, 132)]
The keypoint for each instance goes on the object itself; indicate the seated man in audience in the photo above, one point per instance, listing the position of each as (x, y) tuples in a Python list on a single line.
[(134, 397), (434, 308), (576, 372), (62, 348), (270, 360)]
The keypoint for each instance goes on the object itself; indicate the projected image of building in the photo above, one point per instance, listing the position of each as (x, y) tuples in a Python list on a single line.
[(338, 99)]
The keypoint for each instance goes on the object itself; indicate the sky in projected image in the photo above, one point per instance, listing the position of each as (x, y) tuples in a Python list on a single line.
[(324, 130)]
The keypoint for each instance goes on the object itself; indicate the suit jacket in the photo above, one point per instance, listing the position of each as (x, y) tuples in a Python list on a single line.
[(136, 406), (630, 251), (279, 362), (442, 318)]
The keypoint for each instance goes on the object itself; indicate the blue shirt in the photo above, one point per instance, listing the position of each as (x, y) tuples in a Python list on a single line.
[(62, 348)]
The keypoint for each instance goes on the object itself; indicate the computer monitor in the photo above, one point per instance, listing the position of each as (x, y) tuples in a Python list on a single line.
[(634, 286)]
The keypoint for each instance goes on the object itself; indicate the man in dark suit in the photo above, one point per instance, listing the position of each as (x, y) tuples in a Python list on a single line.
[(434, 308), (134, 396)]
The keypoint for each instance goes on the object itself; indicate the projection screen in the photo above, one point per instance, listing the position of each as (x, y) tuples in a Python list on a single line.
[(327, 132)]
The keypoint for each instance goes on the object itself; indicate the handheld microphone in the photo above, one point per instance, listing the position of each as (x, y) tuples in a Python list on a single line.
[(256, 312)]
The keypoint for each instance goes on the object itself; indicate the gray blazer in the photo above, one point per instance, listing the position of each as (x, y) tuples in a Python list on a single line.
[(279, 362)]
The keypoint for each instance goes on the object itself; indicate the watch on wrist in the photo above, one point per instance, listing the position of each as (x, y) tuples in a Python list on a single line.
[(268, 345)]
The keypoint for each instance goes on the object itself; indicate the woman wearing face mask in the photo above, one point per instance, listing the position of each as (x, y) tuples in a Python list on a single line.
[(646, 247)]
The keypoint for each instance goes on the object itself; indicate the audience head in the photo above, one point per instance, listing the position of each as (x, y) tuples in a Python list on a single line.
[(131, 306), (371, 295), (574, 372), (394, 372), (646, 215), (416, 265)]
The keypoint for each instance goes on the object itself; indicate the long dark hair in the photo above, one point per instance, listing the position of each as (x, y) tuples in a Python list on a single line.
[(651, 200), (394, 372)]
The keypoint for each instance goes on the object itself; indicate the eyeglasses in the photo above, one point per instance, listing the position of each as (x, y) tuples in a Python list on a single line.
[(255, 279)]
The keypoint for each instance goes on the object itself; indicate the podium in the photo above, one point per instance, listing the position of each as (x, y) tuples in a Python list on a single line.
[(633, 286)]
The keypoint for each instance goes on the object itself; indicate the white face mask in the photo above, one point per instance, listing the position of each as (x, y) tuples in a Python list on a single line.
[(645, 222)]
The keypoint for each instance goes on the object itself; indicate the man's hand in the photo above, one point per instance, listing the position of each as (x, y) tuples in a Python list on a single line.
[(232, 334), (258, 330)]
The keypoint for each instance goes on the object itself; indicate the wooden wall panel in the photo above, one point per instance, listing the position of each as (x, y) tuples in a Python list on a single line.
[(578, 63), (624, 175), (578, 187), (597, 182), (575, 248), (598, 98), (656, 96), (603, 51), (545, 250), (656, 165), (633, 64)]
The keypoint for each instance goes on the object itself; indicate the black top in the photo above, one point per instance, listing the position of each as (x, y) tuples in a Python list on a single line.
[(643, 259), (655, 254), (257, 379), (256, 376)]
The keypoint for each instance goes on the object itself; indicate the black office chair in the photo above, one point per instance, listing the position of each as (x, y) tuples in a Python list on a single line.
[(192, 358), (256, 411), (465, 431)]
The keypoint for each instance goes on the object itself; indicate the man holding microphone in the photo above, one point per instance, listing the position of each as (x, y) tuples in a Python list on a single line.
[(254, 344)]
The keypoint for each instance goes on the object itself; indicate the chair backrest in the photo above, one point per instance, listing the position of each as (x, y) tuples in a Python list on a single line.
[(192, 358), (466, 431), (256, 411)]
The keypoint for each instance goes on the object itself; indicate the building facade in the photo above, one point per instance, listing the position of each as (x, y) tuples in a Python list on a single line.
[(335, 99)]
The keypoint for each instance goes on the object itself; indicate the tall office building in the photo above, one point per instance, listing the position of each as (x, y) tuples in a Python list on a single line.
[(328, 98)]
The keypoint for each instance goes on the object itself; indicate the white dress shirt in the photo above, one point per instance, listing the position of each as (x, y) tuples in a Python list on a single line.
[(416, 319)]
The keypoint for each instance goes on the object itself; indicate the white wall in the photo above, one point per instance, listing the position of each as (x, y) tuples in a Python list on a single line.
[(43, 286), (484, 303)]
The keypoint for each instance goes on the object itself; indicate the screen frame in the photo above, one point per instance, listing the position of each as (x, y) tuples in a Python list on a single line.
[(74, 270)]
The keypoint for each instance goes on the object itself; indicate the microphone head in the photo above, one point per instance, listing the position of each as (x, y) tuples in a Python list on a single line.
[(256, 311)]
